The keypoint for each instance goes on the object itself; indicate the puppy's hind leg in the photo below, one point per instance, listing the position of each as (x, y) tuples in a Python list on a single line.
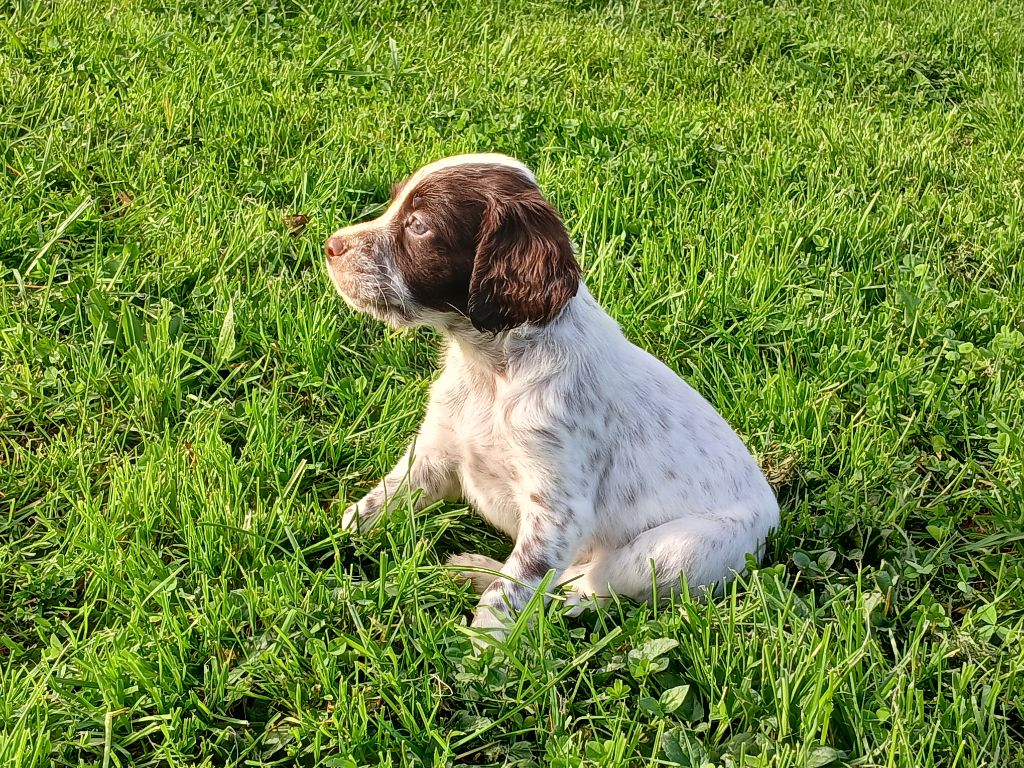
[(707, 552), (478, 570)]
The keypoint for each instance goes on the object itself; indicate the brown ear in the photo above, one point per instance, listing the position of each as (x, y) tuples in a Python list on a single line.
[(524, 270)]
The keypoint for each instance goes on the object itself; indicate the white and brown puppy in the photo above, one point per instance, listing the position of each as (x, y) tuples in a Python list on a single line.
[(591, 454)]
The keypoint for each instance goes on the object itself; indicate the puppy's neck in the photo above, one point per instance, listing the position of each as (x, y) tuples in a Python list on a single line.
[(500, 354), (492, 354)]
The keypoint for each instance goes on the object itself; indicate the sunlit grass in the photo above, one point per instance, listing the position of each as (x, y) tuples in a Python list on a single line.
[(813, 211)]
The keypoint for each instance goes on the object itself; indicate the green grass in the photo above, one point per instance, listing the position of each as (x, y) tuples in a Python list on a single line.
[(812, 210)]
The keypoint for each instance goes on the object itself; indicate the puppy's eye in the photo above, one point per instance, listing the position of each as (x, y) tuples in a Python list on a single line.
[(416, 225)]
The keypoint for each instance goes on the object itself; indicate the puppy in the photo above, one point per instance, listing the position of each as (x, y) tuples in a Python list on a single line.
[(595, 458)]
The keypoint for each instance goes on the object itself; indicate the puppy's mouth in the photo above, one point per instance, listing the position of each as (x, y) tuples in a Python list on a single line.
[(370, 294), (379, 309)]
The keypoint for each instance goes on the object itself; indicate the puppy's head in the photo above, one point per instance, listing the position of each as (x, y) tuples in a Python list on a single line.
[(469, 236)]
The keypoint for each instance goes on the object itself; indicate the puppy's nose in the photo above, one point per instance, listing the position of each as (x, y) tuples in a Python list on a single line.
[(335, 247)]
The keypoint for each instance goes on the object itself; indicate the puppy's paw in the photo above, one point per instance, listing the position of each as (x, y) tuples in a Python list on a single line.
[(350, 519), (580, 597), (489, 618), (478, 570), (490, 626), (361, 516)]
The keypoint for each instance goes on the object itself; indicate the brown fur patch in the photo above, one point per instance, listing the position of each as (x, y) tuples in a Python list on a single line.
[(495, 249), (525, 269)]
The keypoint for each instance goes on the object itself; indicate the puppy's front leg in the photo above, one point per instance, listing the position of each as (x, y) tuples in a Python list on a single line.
[(425, 465), (550, 533)]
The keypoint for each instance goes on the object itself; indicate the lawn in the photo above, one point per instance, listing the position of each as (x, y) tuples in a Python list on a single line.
[(812, 210)]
